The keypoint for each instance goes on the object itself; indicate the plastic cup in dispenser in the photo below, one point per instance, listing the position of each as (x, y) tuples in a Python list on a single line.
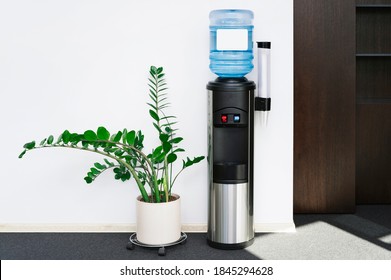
[(231, 45)]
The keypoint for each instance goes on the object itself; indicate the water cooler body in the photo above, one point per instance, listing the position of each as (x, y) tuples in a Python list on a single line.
[(230, 158)]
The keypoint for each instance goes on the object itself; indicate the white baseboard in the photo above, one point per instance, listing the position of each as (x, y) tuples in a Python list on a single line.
[(67, 227), (275, 227), (260, 227)]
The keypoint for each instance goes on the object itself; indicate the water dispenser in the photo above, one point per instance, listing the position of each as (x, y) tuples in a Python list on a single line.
[(230, 130)]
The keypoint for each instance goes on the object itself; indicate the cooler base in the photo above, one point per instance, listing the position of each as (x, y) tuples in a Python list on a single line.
[(230, 246)]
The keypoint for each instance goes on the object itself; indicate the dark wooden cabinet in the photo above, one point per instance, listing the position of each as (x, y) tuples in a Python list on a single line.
[(324, 106), (373, 102), (373, 174), (342, 104)]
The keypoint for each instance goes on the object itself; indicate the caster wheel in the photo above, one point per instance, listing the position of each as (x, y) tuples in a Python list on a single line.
[(130, 246), (161, 251)]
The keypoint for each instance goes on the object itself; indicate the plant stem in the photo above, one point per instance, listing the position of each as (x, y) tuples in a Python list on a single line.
[(158, 121), (114, 166), (129, 147), (165, 181), (153, 184), (176, 177), (173, 147)]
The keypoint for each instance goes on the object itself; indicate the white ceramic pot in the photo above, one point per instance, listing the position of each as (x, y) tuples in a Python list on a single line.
[(158, 223)]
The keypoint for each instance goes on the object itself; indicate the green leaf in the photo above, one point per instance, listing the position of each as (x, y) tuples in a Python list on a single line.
[(159, 70), (103, 133), (59, 139), (50, 139), (154, 115), (168, 117), (118, 176), (127, 158), (190, 162), (160, 158), (152, 106), (110, 150), (88, 180), (125, 176), (75, 138), (42, 142), (152, 94), (117, 136), (29, 145), (157, 151), (153, 83), (94, 171), (170, 125), (66, 135), (130, 137), (124, 133), (108, 162), (84, 144), (153, 98), (90, 135), (99, 166), (171, 158), (163, 137), (157, 127), (152, 86), (178, 150), (176, 140), (198, 159), (153, 69), (22, 153), (138, 142), (119, 152), (167, 147)]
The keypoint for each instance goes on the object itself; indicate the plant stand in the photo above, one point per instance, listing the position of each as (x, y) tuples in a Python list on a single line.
[(162, 247)]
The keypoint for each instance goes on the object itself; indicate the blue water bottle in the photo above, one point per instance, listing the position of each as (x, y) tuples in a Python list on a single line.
[(231, 46)]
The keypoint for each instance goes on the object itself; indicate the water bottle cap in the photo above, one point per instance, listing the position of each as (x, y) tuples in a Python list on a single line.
[(231, 17)]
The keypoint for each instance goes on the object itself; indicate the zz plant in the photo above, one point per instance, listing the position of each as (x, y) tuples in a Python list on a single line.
[(123, 151)]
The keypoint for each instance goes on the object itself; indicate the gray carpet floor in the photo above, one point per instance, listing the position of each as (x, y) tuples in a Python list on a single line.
[(364, 235)]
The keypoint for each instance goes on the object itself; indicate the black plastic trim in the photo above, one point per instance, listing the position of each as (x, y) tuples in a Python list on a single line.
[(264, 45), (230, 171), (263, 104), (230, 84), (230, 182)]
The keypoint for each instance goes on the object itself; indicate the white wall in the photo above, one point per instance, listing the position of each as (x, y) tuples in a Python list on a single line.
[(78, 65)]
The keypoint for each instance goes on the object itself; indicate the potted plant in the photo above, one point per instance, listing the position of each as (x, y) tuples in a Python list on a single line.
[(158, 209)]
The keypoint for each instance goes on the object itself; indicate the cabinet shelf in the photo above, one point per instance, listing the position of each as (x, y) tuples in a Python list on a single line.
[(373, 29), (362, 101), (373, 77), (373, 54), (373, 100), (373, 6)]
